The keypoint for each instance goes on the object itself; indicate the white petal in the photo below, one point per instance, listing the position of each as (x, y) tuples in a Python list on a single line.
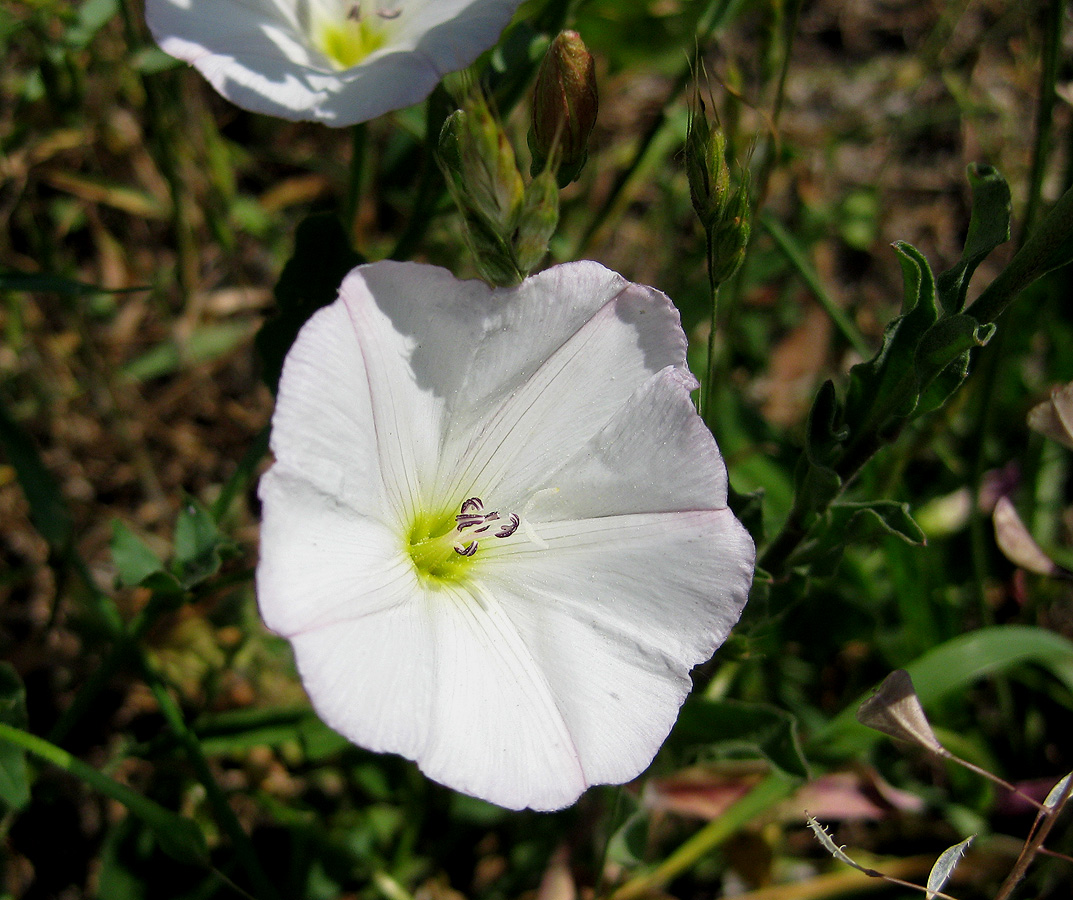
[(654, 455), (616, 611), (405, 373), (323, 423), (445, 680), (322, 563), (260, 55), (559, 356)]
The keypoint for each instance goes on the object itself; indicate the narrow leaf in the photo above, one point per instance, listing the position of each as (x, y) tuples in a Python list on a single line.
[(944, 866), (1056, 793), (14, 778), (831, 847), (989, 226), (48, 509)]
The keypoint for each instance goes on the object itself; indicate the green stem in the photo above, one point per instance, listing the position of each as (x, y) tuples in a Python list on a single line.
[(647, 140), (1044, 113), (754, 804), (707, 408), (764, 177)]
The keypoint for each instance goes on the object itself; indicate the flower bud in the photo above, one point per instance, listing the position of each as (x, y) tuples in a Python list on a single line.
[(729, 235), (565, 103), (706, 167)]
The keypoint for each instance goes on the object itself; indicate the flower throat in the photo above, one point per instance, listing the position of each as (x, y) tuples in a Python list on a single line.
[(442, 549)]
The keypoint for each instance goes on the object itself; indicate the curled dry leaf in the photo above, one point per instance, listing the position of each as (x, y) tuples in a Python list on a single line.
[(1016, 544), (895, 710)]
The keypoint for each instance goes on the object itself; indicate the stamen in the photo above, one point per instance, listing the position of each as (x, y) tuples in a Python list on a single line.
[(509, 529), (471, 515), (354, 13)]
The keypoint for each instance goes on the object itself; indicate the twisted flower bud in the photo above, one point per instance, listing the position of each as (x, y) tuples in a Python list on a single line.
[(565, 104)]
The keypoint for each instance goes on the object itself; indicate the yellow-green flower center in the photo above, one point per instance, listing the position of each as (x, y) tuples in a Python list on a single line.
[(346, 43), (442, 546), (432, 546)]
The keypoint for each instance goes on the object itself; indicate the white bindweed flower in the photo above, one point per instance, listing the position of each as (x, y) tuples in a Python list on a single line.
[(332, 61), (496, 530)]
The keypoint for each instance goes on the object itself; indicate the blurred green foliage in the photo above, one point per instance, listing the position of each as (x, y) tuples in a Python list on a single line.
[(869, 411)]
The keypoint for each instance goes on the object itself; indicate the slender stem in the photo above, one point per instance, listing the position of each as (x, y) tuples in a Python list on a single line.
[(758, 801), (710, 376), (1044, 113), (804, 268), (764, 177), (849, 881), (1045, 821), (995, 779)]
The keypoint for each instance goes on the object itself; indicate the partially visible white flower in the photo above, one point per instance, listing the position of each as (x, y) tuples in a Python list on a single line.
[(332, 61), (496, 530)]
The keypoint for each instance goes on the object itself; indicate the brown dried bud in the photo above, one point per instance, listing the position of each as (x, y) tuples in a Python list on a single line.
[(565, 104)]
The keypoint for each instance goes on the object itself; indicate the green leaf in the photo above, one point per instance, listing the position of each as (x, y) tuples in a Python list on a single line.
[(38, 283), (92, 16), (197, 544), (179, 837), (629, 843), (749, 508), (132, 557), (817, 486), (989, 226), (948, 340), (884, 390), (824, 434), (240, 730), (730, 727), (48, 509), (952, 667), (204, 344), (310, 279), (891, 516), (14, 779)]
